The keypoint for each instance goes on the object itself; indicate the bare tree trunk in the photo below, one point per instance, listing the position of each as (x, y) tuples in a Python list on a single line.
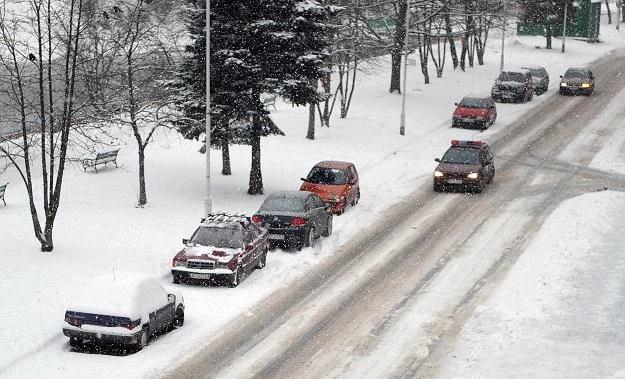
[(143, 199), (225, 158), (549, 34), (398, 47), (256, 177), (450, 37), (310, 134)]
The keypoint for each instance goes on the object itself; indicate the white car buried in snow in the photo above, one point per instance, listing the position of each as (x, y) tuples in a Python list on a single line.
[(122, 309)]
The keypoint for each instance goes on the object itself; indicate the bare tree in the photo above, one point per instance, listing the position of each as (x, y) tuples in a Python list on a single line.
[(137, 38), (39, 40)]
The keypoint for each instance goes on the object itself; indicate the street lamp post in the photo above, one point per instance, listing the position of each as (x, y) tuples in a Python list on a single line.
[(402, 119), (566, 7), (207, 199), (503, 36)]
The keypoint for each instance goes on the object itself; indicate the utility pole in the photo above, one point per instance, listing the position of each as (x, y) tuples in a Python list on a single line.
[(503, 35), (207, 143), (402, 119), (566, 7)]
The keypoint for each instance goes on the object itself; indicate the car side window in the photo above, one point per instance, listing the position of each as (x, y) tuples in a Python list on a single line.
[(318, 202), (310, 204), (353, 172)]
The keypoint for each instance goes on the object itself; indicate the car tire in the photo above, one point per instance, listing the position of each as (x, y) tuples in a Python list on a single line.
[(143, 339), (262, 262), (176, 280), (437, 188), (178, 318), (328, 230), (310, 238), (233, 279)]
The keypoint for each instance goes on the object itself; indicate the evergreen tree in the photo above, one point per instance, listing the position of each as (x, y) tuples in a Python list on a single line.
[(256, 47)]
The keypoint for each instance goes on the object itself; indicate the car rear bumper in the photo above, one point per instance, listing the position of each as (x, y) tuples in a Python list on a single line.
[(126, 339), (287, 236), (459, 122), (505, 95)]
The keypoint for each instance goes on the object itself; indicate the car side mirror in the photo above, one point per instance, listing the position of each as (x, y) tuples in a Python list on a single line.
[(171, 298), (492, 106), (456, 104), (304, 179), (437, 159), (561, 76), (185, 241)]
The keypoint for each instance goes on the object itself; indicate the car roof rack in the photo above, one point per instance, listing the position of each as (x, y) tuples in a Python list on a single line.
[(225, 218)]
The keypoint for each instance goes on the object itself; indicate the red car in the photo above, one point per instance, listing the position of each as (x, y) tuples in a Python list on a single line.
[(474, 112), (224, 246), (335, 182)]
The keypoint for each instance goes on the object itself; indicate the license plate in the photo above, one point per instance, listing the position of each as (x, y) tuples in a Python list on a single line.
[(276, 236), (199, 276), (454, 181), (469, 120)]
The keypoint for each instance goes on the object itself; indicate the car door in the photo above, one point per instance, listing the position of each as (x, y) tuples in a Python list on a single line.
[(321, 209), (354, 186), (488, 164)]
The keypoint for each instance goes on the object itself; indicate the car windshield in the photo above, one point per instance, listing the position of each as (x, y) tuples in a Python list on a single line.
[(511, 77), (461, 156), (474, 102), (218, 237), (576, 73), (324, 175), (283, 204)]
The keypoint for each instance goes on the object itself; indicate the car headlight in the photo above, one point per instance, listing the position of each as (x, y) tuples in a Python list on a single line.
[(585, 85), (438, 174), (472, 175), (180, 263), (564, 84), (334, 197)]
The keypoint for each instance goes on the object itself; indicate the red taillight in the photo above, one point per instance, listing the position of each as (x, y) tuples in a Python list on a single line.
[(219, 253), (298, 221), (256, 219), (232, 265)]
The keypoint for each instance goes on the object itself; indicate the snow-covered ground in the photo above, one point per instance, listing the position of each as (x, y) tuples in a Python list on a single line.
[(99, 230)]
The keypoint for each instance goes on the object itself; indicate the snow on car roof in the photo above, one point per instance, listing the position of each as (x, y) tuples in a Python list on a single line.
[(122, 294)]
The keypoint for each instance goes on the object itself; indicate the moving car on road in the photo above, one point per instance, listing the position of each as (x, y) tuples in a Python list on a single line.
[(513, 85), (335, 182), (294, 218), (474, 112), (224, 246), (577, 81), (540, 78), (122, 309), (467, 165)]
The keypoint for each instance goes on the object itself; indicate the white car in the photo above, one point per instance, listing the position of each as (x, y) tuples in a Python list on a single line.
[(122, 309)]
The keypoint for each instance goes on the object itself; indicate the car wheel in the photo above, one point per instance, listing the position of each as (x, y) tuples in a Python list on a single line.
[(143, 339), (234, 278), (437, 188), (178, 317), (176, 280), (310, 239), (328, 230), (263, 260)]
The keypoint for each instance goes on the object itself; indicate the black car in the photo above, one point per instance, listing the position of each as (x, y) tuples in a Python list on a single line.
[(294, 218), (513, 85), (577, 81), (540, 79), (467, 165), (122, 309)]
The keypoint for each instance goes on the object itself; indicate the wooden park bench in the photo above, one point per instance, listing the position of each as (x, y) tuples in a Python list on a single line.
[(269, 101), (2, 189), (100, 159)]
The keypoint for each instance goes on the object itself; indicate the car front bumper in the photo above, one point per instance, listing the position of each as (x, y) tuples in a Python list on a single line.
[(190, 274), (468, 122), (457, 182), (575, 90)]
